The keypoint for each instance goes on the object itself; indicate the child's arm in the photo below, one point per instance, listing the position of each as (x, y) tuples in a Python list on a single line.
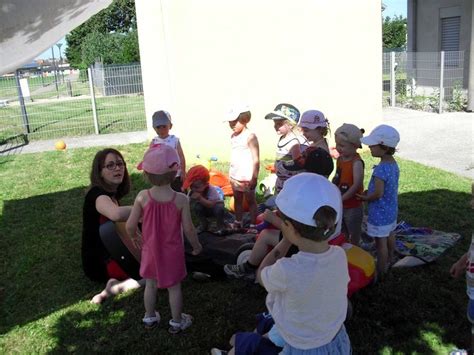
[(295, 151), (459, 266), (182, 159), (378, 192), (358, 180), (188, 227), (108, 208), (276, 253), (132, 221), (254, 149)]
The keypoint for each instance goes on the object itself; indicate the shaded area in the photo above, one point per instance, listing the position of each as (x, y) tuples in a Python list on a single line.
[(13, 143)]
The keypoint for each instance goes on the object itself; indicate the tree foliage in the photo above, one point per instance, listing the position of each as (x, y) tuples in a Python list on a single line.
[(110, 36), (394, 32)]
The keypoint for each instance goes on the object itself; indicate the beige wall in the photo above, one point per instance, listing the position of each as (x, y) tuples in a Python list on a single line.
[(200, 56)]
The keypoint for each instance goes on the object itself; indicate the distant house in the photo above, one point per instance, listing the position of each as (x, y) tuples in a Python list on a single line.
[(444, 25)]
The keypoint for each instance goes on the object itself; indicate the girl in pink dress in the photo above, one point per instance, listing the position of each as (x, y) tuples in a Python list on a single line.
[(165, 216)]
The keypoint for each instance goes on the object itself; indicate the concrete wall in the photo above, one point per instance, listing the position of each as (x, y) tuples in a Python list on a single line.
[(198, 57)]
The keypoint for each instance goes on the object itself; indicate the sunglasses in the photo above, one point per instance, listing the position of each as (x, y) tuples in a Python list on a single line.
[(114, 164)]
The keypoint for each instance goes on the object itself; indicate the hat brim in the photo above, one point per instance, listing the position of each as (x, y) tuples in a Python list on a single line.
[(369, 141), (276, 116)]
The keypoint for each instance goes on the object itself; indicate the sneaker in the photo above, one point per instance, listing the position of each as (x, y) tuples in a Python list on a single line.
[(215, 351), (239, 271), (177, 327), (151, 322)]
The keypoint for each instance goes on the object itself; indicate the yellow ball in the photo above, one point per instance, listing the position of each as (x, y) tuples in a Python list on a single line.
[(60, 145)]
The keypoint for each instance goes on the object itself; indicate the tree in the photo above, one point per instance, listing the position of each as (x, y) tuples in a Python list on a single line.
[(394, 32), (105, 35)]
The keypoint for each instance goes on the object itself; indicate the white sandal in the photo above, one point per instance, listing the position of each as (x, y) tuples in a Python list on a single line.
[(152, 322)]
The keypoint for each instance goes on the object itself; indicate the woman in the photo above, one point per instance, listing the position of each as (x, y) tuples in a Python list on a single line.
[(109, 183)]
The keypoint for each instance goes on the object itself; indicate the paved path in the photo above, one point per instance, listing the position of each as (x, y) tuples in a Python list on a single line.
[(444, 141)]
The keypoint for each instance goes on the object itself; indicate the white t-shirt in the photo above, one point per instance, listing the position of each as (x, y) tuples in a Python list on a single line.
[(171, 141), (307, 296)]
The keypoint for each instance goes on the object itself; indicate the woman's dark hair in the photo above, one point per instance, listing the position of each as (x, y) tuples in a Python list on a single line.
[(325, 218), (96, 177)]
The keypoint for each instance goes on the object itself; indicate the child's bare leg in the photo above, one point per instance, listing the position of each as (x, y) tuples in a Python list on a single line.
[(268, 237), (382, 255), (115, 287), (106, 292), (176, 301), (238, 205), (149, 298), (391, 247), (252, 202)]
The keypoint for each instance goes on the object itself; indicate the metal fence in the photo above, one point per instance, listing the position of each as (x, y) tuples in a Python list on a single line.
[(60, 104), (429, 81)]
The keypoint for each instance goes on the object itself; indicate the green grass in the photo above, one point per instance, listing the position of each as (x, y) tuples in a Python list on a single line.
[(44, 295)]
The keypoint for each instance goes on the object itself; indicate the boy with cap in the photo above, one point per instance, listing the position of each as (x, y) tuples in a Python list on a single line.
[(382, 194), (162, 125), (349, 179), (307, 293)]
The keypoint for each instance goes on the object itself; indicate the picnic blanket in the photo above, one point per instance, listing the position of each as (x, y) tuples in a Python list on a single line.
[(418, 246)]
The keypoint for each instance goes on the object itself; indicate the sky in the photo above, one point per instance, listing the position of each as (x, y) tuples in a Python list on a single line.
[(393, 7)]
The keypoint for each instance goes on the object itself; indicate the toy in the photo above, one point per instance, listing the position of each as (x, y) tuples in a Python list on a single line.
[(60, 145)]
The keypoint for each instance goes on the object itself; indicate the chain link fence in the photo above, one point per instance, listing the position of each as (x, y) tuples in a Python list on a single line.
[(428, 81), (102, 99)]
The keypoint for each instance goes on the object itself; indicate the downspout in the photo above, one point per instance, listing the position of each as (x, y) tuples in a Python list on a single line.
[(470, 77)]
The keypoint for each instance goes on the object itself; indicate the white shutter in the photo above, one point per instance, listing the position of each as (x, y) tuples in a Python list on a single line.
[(450, 28)]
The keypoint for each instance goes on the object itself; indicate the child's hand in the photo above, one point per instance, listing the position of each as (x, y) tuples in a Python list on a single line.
[(137, 242), (272, 218), (253, 183), (195, 195), (197, 249), (459, 267), (362, 196)]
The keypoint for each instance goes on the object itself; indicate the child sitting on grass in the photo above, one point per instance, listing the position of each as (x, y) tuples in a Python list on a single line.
[(307, 293), (205, 199)]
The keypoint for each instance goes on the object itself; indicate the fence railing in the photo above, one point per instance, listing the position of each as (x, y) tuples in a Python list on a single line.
[(430, 81), (61, 104)]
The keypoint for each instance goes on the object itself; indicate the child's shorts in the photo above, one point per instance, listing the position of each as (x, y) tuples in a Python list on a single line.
[(381, 231), (242, 186), (340, 345), (256, 343)]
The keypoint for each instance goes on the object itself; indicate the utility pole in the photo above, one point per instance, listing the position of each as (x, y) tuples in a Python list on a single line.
[(55, 72), (60, 59)]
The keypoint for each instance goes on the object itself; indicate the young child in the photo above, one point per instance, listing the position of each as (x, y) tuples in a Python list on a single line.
[(349, 179), (162, 125), (244, 163), (307, 293), (285, 118), (165, 215), (316, 158), (382, 194), (205, 199)]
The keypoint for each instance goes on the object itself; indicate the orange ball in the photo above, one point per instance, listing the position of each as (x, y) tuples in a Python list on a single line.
[(232, 208), (60, 145)]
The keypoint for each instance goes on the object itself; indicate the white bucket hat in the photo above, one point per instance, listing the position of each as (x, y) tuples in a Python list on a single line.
[(303, 194)]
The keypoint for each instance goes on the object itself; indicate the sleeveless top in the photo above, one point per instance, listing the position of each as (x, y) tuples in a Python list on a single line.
[(344, 179), (241, 161), (171, 141), (283, 155), (162, 243)]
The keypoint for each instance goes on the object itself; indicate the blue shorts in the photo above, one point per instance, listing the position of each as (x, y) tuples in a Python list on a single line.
[(255, 343), (470, 311)]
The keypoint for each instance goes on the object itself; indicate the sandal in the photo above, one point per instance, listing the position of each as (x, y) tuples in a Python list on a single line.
[(178, 327), (151, 322)]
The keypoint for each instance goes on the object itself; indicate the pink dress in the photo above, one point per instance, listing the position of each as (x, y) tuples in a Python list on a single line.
[(162, 247)]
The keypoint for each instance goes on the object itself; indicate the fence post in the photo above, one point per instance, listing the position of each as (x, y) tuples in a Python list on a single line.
[(21, 100), (94, 109), (392, 79), (441, 82)]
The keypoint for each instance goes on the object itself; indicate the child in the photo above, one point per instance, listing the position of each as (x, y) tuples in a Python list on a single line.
[(166, 215), (349, 179), (307, 293), (316, 158), (205, 199), (162, 125), (244, 163), (285, 117), (382, 194)]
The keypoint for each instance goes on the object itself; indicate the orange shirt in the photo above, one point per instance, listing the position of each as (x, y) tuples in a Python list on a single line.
[(344, 179)]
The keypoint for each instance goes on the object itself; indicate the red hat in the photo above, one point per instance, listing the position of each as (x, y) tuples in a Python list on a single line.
[(197, 172)]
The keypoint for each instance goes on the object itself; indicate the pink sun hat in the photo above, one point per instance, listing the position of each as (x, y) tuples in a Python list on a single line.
[(159, 159)]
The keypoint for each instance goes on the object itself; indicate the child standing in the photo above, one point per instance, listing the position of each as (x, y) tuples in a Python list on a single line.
[(316, 158), (162, 125), (166, 215), (382, 194), (285, 118), (307, 293), (349, 179), (244, 163), (206, 201)]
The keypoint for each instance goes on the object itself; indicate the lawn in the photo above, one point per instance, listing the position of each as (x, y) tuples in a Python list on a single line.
[(44, 295)]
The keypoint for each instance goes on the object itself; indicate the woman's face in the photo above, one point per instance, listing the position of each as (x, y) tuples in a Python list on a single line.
[(113, 170)]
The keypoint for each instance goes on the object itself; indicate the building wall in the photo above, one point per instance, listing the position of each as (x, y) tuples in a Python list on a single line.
[(198, 57)]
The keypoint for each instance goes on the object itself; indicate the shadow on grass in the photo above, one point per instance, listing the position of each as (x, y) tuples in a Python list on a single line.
[(416, 309)]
